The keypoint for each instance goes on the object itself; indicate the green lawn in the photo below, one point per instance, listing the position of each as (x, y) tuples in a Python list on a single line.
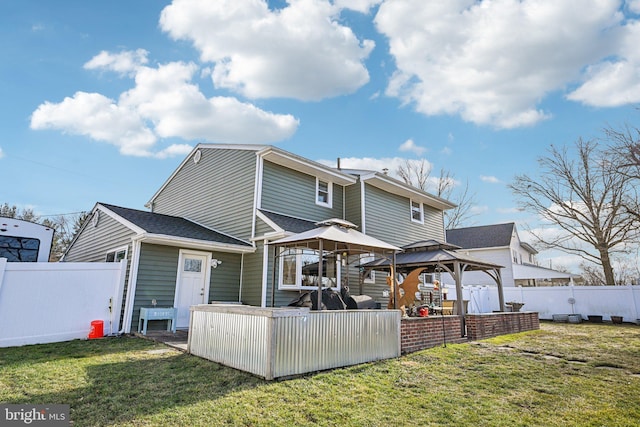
[(561, 375)]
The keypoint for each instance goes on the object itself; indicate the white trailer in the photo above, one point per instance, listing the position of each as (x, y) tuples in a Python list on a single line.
[(24, 241)]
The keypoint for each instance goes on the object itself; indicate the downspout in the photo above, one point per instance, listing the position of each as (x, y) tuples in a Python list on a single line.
[(241, 277), (362, 207), (131, 289), (265, 271)]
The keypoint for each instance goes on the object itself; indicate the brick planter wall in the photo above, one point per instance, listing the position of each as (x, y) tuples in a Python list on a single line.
[(418, 333), (480, 326)]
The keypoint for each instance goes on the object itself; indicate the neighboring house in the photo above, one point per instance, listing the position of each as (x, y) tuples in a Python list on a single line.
[(24, 241), (500, 244), (208, 232)]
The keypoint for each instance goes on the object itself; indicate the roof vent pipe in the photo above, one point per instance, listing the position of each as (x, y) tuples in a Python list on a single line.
[(338, 163)]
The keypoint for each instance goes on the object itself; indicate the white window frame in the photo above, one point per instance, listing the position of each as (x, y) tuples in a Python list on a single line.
[(329, 193), (298, 274), (419, 208), (371, 277), (115, 253)]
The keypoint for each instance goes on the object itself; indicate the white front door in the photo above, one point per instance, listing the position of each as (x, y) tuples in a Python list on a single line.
[(192, 287)]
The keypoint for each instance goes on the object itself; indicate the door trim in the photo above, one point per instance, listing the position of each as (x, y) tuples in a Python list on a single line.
[(207, 273)]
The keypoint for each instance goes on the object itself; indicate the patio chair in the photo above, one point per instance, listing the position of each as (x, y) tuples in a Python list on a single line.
[(448, 307)]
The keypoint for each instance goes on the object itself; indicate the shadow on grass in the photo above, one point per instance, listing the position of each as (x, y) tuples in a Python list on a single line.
[(126, 390), (76, 349)]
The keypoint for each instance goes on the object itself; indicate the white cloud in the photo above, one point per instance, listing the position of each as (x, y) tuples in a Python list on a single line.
[(300, 51), (124, 62), (634, 6), (479, 209), (98, 117), (391, 164), (489, 179), (411, 146), (1, 153), (358, 5), (492, 62), (164, 103), (615, 82)]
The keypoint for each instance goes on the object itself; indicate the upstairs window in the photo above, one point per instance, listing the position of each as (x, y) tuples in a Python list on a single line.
[(417, 214), (323, 193)]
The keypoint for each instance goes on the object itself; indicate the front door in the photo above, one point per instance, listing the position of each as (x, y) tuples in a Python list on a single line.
[(192, 287)]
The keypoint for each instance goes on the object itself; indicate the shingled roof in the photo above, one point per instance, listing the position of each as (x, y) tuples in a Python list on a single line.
[(288, 223), (167, 225), (486, 236)]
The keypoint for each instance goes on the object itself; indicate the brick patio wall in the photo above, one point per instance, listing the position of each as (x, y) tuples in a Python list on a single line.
[(418, 333), (480, 326)]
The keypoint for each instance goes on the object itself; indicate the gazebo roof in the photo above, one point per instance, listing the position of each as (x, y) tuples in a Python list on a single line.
[(431, 254), (336, 234)]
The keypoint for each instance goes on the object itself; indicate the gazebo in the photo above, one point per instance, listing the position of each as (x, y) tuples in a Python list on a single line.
[(437, 257), (336, 236)]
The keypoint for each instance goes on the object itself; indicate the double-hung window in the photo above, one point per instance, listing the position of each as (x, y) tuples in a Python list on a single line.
[(324, 190), (417, 213), (116, 255), (299, 270)]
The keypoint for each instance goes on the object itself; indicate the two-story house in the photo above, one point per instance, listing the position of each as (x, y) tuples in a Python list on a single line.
[(208, 232), (501, 244)]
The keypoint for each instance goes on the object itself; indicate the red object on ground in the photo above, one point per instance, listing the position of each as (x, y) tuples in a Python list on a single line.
[(97, 329)]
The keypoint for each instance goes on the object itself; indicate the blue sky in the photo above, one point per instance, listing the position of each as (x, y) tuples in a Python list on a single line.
[(102, 100)]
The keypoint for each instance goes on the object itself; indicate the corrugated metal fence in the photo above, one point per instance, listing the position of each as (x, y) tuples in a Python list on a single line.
[(281, 342)]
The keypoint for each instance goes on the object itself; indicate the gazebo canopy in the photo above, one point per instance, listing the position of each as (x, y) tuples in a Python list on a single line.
[(431, 255), (336, 234), (436, 256)]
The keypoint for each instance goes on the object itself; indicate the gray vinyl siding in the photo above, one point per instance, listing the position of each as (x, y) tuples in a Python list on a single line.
[(225, 279), (293, 193), (217, 192), (353, 206), (157, 275), (93, 243), (388, 218), (252, 277)]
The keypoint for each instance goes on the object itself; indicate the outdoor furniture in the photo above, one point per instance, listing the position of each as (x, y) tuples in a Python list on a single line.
[(448, 307), (162, 313)]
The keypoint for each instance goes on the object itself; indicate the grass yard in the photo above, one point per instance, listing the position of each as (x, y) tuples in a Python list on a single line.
[(562, 375)]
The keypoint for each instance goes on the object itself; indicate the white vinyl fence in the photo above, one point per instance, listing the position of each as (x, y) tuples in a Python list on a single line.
[(605, 301), (44, 302)]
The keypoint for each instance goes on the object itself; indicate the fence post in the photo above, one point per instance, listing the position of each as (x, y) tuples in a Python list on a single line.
[(3, 267), (633, 300)]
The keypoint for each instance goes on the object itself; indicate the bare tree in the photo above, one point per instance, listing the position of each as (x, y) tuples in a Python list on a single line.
[(624, 146), (66, 227), (584, 197), (415, 172), (418, 172)]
